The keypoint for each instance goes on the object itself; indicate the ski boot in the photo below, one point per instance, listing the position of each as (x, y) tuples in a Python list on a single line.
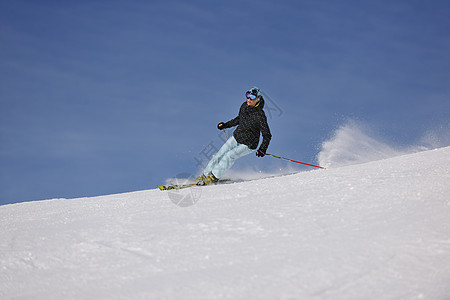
[(205, 180)]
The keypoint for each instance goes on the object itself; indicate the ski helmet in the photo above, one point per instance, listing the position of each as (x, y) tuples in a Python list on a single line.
[(254, 91)]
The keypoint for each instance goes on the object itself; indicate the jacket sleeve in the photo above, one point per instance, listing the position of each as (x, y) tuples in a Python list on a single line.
[(265, 131), (235, 121), (231, 123)]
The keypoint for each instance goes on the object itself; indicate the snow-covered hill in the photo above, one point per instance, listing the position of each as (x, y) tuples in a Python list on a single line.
[(378, 230)]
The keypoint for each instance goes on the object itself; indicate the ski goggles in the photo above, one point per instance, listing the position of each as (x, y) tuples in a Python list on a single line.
[(250, 96)]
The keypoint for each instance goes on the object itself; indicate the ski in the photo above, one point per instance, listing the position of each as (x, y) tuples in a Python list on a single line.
[(175, 186), (188, 185)]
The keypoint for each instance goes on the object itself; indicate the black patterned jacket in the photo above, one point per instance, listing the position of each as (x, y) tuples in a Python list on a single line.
[(251, 122)]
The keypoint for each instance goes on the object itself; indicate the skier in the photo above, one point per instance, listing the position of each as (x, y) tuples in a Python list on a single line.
[(251, 122)]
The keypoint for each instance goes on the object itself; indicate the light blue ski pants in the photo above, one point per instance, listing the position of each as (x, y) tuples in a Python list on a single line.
[(225, 157)]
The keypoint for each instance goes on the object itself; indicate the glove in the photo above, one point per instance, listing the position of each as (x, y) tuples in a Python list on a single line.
[(259, 153), (221, 126)]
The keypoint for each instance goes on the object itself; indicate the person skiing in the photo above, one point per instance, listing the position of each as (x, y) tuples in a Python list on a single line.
[(251, 122)]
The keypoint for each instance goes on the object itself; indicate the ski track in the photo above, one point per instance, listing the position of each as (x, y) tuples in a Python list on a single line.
[(378, 230)]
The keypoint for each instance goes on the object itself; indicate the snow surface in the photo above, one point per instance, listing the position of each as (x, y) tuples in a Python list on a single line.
[(377, 230)]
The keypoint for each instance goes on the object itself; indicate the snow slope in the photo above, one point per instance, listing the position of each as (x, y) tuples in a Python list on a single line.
[(378, 230)]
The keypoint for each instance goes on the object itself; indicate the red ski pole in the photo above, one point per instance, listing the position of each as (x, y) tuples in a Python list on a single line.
[(295, 161)]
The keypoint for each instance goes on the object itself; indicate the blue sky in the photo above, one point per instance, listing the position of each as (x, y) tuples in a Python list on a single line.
[(102, 97)]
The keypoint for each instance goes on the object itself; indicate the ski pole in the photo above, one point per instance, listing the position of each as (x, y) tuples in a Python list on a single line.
[(226, 136), (295, 161)]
